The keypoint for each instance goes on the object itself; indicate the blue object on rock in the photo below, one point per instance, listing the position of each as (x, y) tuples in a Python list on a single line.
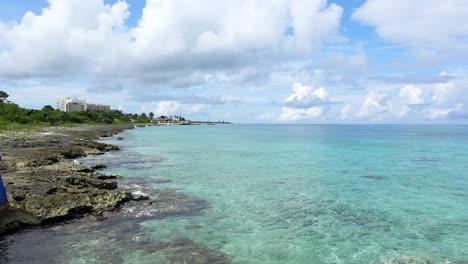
[(3, 197)]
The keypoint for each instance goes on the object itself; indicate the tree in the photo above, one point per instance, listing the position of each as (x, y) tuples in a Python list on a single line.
[(143, 118), (54, 117), (151, 116), (3, 96), (47, 108)]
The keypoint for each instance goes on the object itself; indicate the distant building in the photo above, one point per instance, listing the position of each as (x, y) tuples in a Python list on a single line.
[(163, 120), (73, 104), (98, 107)]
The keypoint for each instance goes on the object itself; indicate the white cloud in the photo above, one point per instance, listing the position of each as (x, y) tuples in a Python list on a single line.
[(374, 106), (345, 112), (433, 25), (70, 36), (304, 103), (176, 42), (294, 114), (411, 95), (178, 108), (304, 96), (446, 112), (445, 93)]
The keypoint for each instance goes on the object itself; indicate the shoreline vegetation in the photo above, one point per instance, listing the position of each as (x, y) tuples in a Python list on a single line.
[(14, 117)]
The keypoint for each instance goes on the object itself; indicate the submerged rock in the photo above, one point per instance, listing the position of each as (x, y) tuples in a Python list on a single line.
[(374, 177), (186, 251)]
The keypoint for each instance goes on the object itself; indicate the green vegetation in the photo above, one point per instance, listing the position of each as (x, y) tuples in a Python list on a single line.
[(14, 117)]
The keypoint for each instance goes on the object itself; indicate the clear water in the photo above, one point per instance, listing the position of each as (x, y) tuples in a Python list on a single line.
[(300, 193)]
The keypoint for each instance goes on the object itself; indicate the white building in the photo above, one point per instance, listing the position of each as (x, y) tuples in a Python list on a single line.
[(98, 107), (71, 104)]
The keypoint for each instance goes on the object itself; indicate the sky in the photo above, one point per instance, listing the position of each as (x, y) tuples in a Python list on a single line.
[(244, 61)]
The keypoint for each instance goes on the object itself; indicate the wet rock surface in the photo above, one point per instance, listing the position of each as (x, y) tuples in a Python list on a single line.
[(45, 184)]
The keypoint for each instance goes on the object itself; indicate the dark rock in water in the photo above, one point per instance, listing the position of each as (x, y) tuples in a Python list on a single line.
[(417, 260), (162, 203), (195, 226), (120, 138), (161, 180), (107, 177), (13, 219), (93, 168), (187, 251), (99, 166), (375, 177), (100, 217), (139, 197), (357, 221)]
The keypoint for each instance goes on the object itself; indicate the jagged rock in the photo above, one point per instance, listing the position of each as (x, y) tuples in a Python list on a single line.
[(73, 153), (13, 219), (86, 182), (42, 183), (93, 168), (106, 177), (65, 205)]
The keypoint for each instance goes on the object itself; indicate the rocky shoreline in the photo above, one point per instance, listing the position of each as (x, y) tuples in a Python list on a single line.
[(45, 184)]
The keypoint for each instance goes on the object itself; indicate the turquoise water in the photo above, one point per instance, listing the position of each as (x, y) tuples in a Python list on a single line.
[(308, 193)]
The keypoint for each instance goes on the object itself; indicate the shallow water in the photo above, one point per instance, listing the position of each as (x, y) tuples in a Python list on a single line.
[(282, 194)]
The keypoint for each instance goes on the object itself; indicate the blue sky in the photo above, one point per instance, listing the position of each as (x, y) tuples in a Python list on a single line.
[(296, 61)]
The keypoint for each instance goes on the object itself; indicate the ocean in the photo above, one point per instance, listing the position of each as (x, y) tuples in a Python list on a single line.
[(279, 194)]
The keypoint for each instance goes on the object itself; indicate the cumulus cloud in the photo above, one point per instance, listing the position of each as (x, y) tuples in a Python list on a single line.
[(345, 112), (434, 25), (176, 42), (375, 104), (446, 93), (411, 95), (437, 112), (68, 37), (293, 114), (178, 108), (411, 98), (305, 102)]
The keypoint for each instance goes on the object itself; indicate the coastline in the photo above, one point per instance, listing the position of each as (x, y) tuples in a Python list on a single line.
[(44, 183), (46, 186)]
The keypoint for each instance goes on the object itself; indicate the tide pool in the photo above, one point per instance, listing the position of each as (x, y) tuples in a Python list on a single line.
[(299, 193)]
